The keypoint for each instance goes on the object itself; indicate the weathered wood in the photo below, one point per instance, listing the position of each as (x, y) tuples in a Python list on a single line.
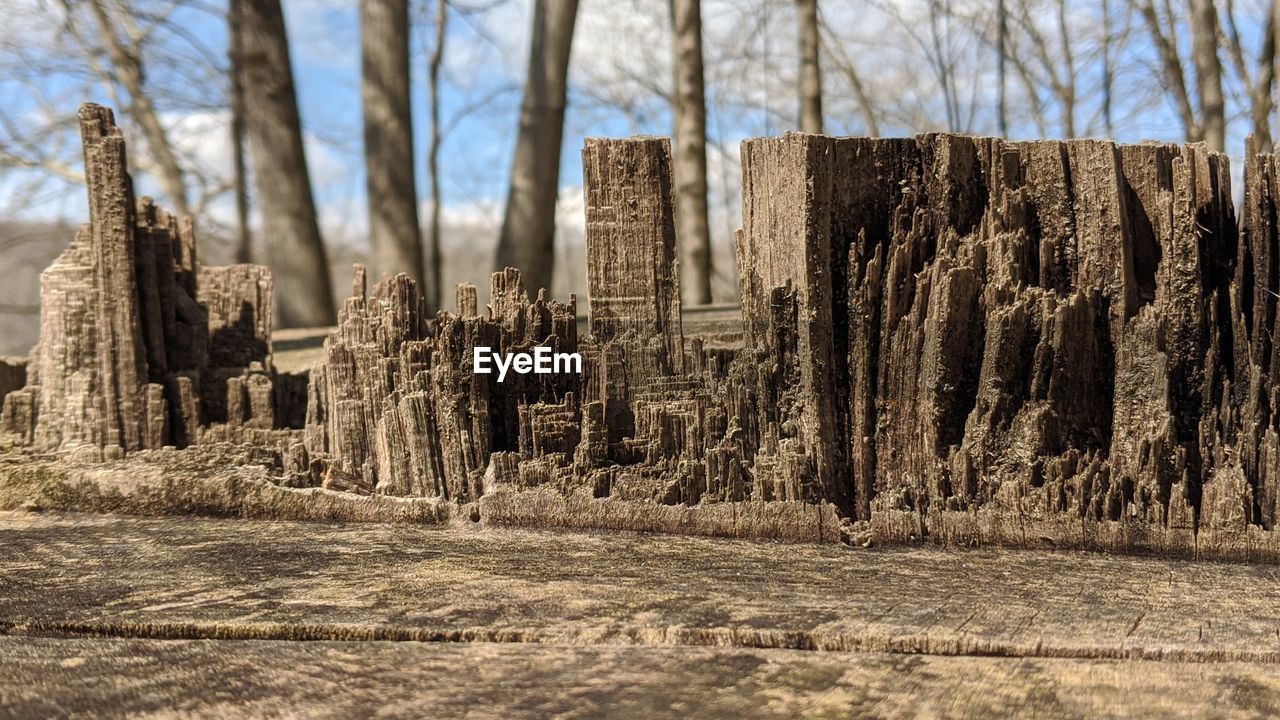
[(13, 376), (119, 353), (237, 300), (632, 272), (963, 339), (1026, 330), (140, 346), (48, 677), (136, 577), (399, 403), (785, 265)]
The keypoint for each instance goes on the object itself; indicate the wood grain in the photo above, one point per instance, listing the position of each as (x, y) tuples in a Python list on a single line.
[(182, 578)]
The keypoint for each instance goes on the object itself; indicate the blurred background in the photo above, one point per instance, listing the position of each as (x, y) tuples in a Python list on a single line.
[(442, 137)]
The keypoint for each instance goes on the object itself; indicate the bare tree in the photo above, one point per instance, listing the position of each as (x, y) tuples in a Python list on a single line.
[(1260, 86), (168, 82), (240, 179), (810, 67), (1002, 50), (1047, 62), (935, 38), (1108, 70), (1056, 63), (291, 232), (388, 138), (1163, 28), (941, 41), (432, 251), (1204, 55), (527, 239), (845, 67), (127, 69), (693, 233)]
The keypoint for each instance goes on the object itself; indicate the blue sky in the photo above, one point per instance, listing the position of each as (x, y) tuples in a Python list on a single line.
[(620, 64)]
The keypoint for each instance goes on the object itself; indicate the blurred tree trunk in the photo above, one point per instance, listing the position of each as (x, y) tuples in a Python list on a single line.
[(810, 68), (126, 60), (1204, 55), (693, 233), (388, 139), (1067, 90), (527, 239), (1261, 100), (1107, 69), (432, 251), (1002, 50), (240, 180), (291, 233)]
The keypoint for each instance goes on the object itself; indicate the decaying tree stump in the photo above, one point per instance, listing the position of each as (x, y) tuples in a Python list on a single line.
[(140, 346), (994, 335), (959, 338)]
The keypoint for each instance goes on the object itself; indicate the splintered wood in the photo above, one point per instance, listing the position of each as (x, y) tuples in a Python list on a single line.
[(141, 347), (954, 338), (1008, 341)]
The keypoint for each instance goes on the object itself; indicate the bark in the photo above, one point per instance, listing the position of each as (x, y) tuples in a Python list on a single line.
[(1204, 55), (294, 248), (692, 229), (127, 62), (388, 139), (527, 239), (810, 67), (240, 180), (432, 290)]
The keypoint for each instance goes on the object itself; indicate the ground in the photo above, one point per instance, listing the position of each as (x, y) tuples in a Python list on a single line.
[(161, 617)]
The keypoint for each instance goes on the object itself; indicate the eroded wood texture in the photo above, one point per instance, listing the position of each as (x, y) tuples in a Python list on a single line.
[(965, 339), (994, 339), (633, 275), (397, 406), (13, 376), (140, 345)]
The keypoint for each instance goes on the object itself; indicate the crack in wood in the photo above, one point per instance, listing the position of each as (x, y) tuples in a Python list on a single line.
[(680, 636)]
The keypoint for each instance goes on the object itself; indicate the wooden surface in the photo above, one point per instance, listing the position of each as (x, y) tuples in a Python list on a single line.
[(154, 616), (46, 677)]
